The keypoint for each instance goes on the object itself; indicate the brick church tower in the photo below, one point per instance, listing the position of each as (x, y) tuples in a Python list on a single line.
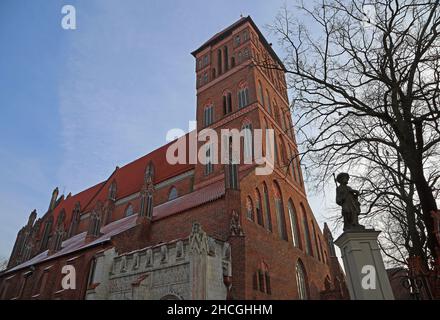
[(241, 85), (211, 230)]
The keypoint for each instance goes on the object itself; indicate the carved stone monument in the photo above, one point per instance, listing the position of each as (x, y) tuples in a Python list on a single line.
[(367, 278)]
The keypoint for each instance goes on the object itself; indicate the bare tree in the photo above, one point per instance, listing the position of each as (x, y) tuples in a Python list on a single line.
[(374, 65)]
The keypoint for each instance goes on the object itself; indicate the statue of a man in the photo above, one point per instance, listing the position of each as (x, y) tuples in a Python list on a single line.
[(347, 198)]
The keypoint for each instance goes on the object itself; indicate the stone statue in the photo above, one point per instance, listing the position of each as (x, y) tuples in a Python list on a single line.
[(347, 198)]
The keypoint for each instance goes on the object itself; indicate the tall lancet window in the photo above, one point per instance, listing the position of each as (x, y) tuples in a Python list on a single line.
[(95, 224), (231, 167), (301, 281), (279, 207), (293, 223)]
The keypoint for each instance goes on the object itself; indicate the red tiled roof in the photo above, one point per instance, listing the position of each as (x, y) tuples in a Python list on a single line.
[(130, 178), (196, 198), (68, 204), (204, 195), (77, 242)]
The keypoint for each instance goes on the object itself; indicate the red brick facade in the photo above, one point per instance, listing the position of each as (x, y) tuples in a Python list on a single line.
[(266, 252)]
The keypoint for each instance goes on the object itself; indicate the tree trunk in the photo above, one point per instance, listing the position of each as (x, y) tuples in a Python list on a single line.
[(428, 204)]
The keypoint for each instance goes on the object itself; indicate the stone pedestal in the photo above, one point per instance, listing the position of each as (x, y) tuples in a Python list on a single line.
[(367, 278)]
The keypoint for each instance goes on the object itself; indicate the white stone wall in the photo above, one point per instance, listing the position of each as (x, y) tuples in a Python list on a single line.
[(165, 270)]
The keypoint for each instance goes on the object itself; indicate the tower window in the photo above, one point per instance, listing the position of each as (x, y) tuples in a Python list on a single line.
[(247, 148), (227, 103), (245, 36), (243, 97), (269, 107), (267, 208), (260, 92), (246, 53), (205, 60), (219, 61), (237, 40), (209, 115), (209, 167), (226, 58), (282, 232)]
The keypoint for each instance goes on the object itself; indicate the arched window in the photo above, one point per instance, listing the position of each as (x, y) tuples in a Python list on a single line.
[(249, 209), (129, 210), (264, 279), (292, 164), (275, 150), (225, 58), (282, 119), (282, 232), (173, 193), (227, 102), (245, 35), (270, 151), (301, 281), (209, 166), (260, 93), (208, 115), (247, 141), (298, 167), (276, 114), (315, 236), (240, 57), (268, 102), (237, 40), (258, 209), (243, 96), (219, 61), (283, 151), (294, 224), (306, 231), (246, 53), (267, 207)]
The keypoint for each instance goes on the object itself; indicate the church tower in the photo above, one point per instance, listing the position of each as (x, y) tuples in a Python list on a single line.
[(240, 85)]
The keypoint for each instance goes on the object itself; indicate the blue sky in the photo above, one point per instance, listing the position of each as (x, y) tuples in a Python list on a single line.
[(76, 103)]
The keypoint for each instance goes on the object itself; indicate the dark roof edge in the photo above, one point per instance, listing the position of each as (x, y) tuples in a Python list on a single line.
[(226, 32), (49, 258)]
